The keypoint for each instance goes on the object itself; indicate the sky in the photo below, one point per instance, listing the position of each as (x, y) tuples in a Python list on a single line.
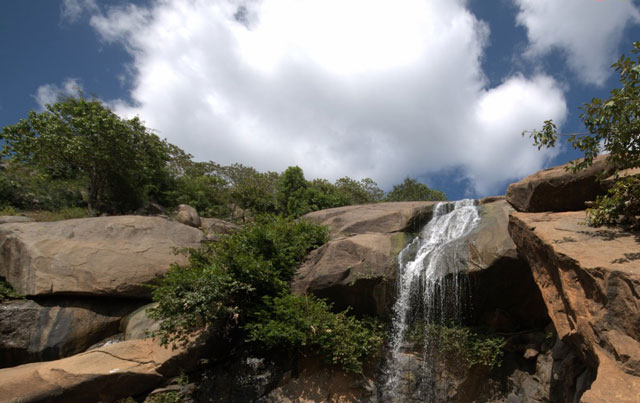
[(438, 90)]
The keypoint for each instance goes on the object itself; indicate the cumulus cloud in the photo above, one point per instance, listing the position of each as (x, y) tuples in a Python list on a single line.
[(587, 32), (51, 93), (72, 10), (365, 88)]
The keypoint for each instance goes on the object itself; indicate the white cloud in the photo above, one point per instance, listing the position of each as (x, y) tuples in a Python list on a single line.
[(588, 32), (360, 88), (72, 10), (50, 93)]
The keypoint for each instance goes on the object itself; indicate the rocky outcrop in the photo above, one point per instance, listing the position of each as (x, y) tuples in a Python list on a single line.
[(138, 324), (187, 215), (356, 268), (557, 189), (55, 328), (590, 281), (104, 256), (374, 218), (214, 228), (9, 219), (106, 374)]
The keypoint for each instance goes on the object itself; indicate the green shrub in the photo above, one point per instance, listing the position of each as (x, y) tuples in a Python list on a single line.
[(620, 206), (226, 278), (460, 343), (7, 292), (292, 321)]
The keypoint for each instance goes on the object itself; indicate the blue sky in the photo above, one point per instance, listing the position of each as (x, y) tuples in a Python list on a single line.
[(434, 89)]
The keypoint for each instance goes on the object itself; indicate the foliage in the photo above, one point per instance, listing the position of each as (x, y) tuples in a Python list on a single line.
[(620, 206), (226, 278), (412, 190), (119, 159), (26, 188), (612, 126), (7, 292), (460, 343), (242, 282), (292, 321), (359, 192)]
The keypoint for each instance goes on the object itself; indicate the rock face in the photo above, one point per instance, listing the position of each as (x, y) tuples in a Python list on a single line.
[(138, 324), (8, 219), (105, 374), (214, 227), (590, 282), (556, 189), (187, 215), (104, 256), (55, 328), (357, 267)]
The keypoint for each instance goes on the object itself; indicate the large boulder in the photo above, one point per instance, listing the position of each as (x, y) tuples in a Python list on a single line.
[(557, 189), (378, 217), (187, 215), (106, 256), (357, 268), (104, 374), (52, 329), (138, 324), (214, 228), (10, 219), (590, 282)]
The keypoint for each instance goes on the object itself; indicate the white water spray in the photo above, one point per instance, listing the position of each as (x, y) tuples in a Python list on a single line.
[(423, 292)]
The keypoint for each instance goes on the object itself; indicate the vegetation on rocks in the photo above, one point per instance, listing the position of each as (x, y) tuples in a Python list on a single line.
[(242, 283), (79, 154), (462, 344), (7, 292), (612, 126)]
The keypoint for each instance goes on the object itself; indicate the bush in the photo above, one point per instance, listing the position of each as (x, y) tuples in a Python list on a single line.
[(225, 279), (292, 321), (460, 343), (620, 206), (7, 292)]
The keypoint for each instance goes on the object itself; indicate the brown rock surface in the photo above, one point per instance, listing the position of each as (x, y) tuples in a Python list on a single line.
[(590, 281), (55, 328), (187, 215), (214, 227), (138, 324), (108, 373), (377, 217), (10, 219), (358, 267), (556, 189), (92, 256)]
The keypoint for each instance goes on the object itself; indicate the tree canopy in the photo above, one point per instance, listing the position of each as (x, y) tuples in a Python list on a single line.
[(120, 159), (613, 126), (412, 190)]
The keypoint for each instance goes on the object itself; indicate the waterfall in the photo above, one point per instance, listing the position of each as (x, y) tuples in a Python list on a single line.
[(429, 292)]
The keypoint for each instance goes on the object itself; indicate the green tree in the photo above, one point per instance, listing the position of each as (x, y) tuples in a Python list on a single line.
[(119, 158), (613, 126), (292, 189), (359, 192), (412, 190)]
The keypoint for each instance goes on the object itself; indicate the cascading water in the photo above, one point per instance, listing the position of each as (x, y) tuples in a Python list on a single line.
[(429, 293)]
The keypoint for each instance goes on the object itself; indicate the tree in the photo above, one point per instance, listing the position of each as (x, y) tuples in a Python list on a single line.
[(119, 158), (613, 126), (412, 190)]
